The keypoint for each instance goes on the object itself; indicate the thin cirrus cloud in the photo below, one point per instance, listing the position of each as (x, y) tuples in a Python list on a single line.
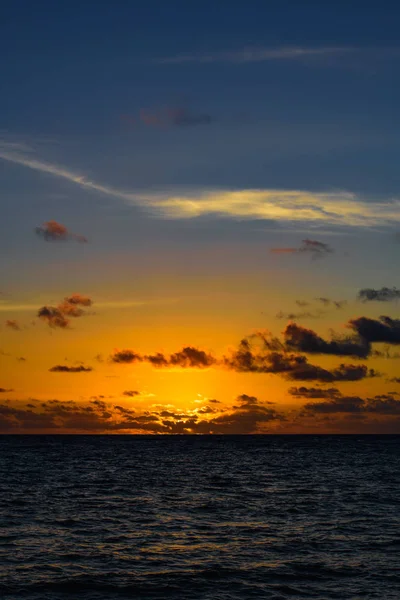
[(341, 208), (258, 54)]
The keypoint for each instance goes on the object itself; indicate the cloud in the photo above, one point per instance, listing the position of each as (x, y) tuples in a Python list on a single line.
[(300, 315), (343, 209), (302, 303), (372, 330), (13, 324), (312, 247), (125, 357), (385, 294), (66, 369), (272, 357), (191, 357), (53, 316), (188, 357), (5, 390), (345, 372), (341, 404), (324, 301), (60, 316), (300, 339), (247, 415), (257, 54), (250, 416), (131, 393), (305, 392), (292, 366), (339, 304), (316, 314), (52, 231), (174, 117), (383, 404)]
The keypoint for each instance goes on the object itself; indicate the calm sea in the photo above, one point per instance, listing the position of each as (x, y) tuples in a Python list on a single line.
[(214, 517)]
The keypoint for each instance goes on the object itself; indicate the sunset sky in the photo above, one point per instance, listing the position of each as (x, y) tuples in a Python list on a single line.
[(200, 225)]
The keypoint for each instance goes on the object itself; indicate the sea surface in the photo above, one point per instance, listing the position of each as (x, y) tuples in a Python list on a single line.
[(201, 517)]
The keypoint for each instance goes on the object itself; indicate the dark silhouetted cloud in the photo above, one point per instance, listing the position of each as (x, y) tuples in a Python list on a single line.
[(188, 357), (131, 393), (384, 294), (250, 416), (384, 404), (67, 369), (191, 357), (52, 231), (5, 390), (385, 329), (301, 339), (313, 392), (125, 357), (292, 366)]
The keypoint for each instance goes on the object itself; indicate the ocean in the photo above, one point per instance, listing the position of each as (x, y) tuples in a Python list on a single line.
[(199, 517)]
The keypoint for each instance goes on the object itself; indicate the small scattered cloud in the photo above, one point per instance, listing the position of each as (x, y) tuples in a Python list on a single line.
[(383, 294), (67, 369), (314, 248), (131, 393), (60, 316), (13, 324), (5, 390), (52, 231), (125, 357), (291, 316), (314, 392), (339, 304), (163, 118), (324, 301)]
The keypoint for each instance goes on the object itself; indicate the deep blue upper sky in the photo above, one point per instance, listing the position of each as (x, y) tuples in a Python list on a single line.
[(77, 75)]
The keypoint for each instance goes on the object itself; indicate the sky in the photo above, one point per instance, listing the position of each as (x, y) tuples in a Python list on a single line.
[(200, 224)]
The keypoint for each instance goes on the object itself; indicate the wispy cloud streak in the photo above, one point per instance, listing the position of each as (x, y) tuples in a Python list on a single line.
[(8, 153), (291, 206), (251, 55)]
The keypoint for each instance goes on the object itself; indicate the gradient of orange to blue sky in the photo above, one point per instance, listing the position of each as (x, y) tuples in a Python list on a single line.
[(200, 218)]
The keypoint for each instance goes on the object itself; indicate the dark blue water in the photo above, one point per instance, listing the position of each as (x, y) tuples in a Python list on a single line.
[(275, 517)]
